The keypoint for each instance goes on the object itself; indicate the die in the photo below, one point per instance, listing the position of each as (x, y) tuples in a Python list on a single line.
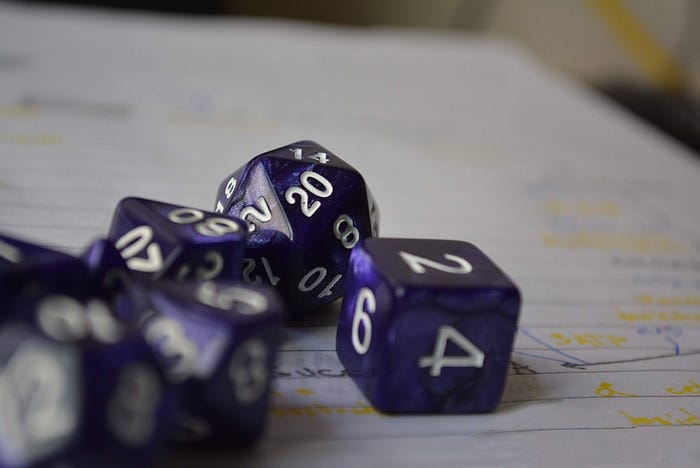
[(162, 240), (306, 208), (111, 278), (79, 389), (29, 271), (217, 343), (427, 326), (106, 266)]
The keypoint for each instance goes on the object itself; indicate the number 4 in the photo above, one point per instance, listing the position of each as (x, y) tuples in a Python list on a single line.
[(438, 360)]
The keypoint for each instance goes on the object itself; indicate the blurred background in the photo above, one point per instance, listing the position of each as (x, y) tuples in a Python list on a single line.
[(643, 54)]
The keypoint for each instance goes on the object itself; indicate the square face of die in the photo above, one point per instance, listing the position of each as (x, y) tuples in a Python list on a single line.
[(440, 360), (444, 264)]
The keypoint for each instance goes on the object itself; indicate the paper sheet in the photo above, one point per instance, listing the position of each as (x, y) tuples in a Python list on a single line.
[(594, 215)]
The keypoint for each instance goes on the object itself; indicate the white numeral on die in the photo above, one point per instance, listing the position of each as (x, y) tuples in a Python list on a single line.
[(248, 267), (133, 242), (438, 360), (418, 264), (214, 265), (364, 305), (319, 156), (9, 252), (211, 227), (65, 319), (314, 277), (39, 403), (246, 301), (168, 337), (306, 177), (345, 231), (262, 214), (248, 370), (132, 409)]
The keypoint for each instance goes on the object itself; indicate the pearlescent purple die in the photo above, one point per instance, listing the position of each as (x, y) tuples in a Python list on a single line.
[(79, 390), (162, 240), (306, 208), (427, 326), (217, 342)]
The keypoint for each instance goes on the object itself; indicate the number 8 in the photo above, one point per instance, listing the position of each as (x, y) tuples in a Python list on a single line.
[(348, 236)]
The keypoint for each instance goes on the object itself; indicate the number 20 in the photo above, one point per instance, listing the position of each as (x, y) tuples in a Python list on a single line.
[(309, 209)]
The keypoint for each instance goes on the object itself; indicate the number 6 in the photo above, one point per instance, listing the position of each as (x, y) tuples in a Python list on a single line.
[(366, 296)]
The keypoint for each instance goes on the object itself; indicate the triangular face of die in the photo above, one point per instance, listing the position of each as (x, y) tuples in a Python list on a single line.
[(310, 152), (184, 225), (256, 203)]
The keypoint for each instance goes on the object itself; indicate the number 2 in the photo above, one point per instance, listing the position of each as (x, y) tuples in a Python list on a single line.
[(418, 264), (262, 214)]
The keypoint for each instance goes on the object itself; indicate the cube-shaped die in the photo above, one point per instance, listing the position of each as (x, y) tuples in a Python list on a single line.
[(427, 326), (306, 209), (162, 240), (79, 389), (217, 342)]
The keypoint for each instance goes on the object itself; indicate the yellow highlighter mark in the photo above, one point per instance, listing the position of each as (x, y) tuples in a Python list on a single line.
[(679, 417), (593, 340), (656, 316), (583, 208), (664, 301), (693, 388), (305, 391), (42, 139), (618, 242), (19, 110), (606, 390), (316, 409)]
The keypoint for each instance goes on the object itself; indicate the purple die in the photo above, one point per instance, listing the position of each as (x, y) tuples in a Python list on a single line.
[(162, 240), (306, 209), (28, 272), (79, 389), (427, 326), (112, 280), (217, 342), (106, 265)]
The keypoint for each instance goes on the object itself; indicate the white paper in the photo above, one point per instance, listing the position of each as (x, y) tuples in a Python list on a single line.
[(594, 215)]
